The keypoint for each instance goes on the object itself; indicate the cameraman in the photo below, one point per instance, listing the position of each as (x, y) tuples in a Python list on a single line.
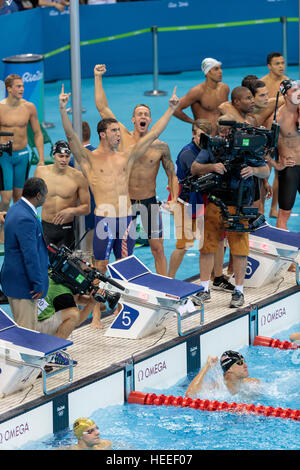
[(59, 315), (205, 163), (189, 210)]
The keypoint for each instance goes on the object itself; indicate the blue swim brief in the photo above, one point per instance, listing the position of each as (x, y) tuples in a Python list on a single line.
[(14, 169), (113, 234)]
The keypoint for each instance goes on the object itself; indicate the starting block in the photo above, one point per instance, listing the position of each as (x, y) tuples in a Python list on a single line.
[(148, 299), (23, 355), (271, 252)]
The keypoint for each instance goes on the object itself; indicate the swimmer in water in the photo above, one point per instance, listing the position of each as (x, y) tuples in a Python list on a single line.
[(88, 436), (235, 373)]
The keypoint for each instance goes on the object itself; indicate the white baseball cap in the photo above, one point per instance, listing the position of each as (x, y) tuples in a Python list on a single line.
[(208, 64)]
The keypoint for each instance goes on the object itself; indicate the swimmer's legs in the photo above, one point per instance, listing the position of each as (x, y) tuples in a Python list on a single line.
[(283, 217), (175, 261), (274, 204), (6, 197), (17, 194), (157, 248), (96, 324)]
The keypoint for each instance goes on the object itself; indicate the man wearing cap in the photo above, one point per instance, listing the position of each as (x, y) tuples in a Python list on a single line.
[(289, 150), (88, 436), (235, 373), (205, 98), (68, 196)]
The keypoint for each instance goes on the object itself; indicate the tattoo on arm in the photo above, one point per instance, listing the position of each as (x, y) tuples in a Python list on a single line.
[(167, 161)]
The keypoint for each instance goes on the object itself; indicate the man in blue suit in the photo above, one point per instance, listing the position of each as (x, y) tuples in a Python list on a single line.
[(24, 274)]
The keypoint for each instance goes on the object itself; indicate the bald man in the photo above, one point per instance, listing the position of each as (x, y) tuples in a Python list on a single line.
[(241, 106)]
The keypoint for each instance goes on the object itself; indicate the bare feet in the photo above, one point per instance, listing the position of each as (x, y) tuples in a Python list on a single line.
[(118, 309), (292, 268), (96, 324)]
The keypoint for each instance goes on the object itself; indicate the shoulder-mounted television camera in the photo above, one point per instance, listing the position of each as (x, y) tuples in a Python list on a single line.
[(8, 146), (79, 276), (245, 146)]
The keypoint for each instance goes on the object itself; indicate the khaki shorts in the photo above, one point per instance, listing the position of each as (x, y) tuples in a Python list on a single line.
[(50, 325), (24, 312), (187, 229), (214, 232)]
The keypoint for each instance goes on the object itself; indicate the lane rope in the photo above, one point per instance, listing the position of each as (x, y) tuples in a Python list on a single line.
[(212, 405)]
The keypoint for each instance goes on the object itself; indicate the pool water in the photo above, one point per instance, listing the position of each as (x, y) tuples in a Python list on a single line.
[(142, 427)]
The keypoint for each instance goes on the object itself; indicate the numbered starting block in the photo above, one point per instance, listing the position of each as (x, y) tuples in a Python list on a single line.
[(148, 299), (272, 250), (23, 355)]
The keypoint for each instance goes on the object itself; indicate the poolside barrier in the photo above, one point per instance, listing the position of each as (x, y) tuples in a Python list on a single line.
[(211, 405), (273, 343)]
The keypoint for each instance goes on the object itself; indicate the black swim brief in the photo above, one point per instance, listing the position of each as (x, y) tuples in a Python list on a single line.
[(149, 210), (59, 234)]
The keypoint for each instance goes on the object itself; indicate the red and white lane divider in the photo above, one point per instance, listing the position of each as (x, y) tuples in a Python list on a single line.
[(273, 343), (211, 405)]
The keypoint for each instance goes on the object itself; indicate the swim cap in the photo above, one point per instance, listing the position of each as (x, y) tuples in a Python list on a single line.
[(229, 358), (61, 147), (82, 424), (208, 64), (285, 85)]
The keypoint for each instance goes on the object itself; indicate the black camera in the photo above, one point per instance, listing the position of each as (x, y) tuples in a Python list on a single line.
[(79, 276), (8, 146), (245, 145), (244, 141)]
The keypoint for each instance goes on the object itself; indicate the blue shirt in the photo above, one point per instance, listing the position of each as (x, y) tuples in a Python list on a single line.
[(183, 169), (233, 179)]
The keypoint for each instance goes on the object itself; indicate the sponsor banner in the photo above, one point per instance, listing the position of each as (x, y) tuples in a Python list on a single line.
[(106, 392), (279, 316), (27, 427), (234, 335), (162, 370)]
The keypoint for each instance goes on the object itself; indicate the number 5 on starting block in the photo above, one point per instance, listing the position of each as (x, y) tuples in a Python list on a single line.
[(133, 324)]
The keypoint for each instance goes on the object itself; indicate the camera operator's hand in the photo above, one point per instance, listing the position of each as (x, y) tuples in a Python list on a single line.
[(37, 295), (219, 168), (247, 172)]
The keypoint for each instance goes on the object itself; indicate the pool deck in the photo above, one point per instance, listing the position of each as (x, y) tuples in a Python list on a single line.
[(98, 354)]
